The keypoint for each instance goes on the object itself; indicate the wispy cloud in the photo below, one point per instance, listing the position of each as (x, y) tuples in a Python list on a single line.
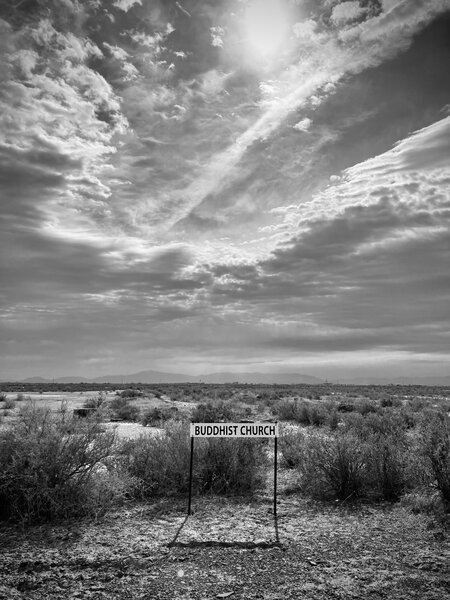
[(366, 46)]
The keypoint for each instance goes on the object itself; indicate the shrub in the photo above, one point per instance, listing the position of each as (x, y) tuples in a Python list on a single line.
[(333, 420), (301, 412), (291, 445), (366, 408), (95, 402), (410, 419), (332, 467), (386, 466), (157, 416), (316, 415), (161, 464), (123, 410), (9, 403), (379, 424), (46, 472), (210, 413), (435, 445), (385, 447), (420, 501), (130, 393), (370, 456), (345, 407), (386, 402), (290, 410), (417, 404), (3, 396), (230, 465)]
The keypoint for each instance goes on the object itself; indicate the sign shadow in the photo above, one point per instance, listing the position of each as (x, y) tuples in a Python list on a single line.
[(175, 543)]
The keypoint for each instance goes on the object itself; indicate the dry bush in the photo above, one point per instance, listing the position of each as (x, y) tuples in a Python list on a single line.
[(157, 416), (161, 463), (385, 424), (291, 444), (371, 456), (302, 412), (317, 414), (48, 466), (130, 393), (332, 467), (291, 410), (387, 454), (95, 402), (212, 413), (390, 402), (333, 419), (366, 407), (417, 404), (123, 410), (230, 465), (435, 445), (9, 404), (422, 501), (381, 453), (386, 466)]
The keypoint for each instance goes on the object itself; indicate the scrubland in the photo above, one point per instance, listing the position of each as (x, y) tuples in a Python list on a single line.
[(370, 466)]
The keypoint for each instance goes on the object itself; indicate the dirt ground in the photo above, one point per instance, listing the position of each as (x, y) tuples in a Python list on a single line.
[(73, 400), (54, 401), (231, 548)]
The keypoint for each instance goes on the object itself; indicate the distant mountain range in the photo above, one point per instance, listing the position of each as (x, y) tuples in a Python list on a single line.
[(231, 377), (397, 381), (161, 377)]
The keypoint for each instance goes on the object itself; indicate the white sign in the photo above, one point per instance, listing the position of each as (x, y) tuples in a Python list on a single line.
[(234, 429)]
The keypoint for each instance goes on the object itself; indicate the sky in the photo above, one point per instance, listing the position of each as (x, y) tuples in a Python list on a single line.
[(225, 185)]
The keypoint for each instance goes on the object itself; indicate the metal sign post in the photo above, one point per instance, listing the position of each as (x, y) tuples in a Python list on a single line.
[(190, 474), (247, 429), (275, 476)]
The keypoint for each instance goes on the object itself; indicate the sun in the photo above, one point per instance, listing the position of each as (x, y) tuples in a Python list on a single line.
[(266, 27)]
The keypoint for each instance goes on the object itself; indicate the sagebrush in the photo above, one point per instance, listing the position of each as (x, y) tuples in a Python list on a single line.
[(161, 463), (49, 466)]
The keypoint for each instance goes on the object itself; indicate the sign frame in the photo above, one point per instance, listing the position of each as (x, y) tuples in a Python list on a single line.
[(236, 430)]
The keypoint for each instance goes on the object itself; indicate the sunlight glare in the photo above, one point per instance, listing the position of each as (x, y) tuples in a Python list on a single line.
[(266, 26)]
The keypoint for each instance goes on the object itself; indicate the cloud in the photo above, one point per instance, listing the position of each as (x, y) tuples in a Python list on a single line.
[(379, 39), (126, 5), (373, 244), (305, 30), (143, 173), (183, 10), (417, 164), (303, 125), (345, 283), (346, 12), (217, 34), (393, 29), (425, 149)]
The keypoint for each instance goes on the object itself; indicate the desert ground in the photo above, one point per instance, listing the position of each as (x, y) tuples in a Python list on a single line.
[(231, 545)]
